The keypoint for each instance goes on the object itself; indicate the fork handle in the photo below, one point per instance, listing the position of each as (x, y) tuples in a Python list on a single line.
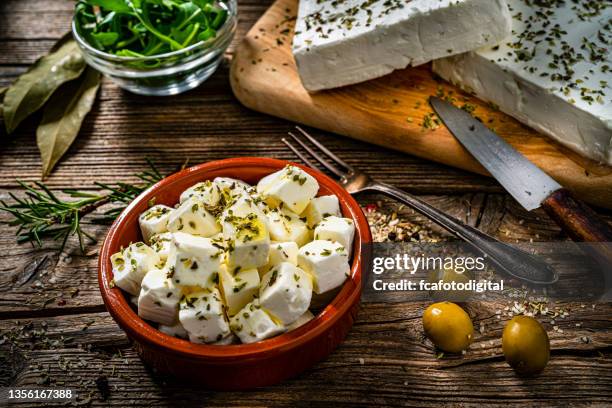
[(512, 261)]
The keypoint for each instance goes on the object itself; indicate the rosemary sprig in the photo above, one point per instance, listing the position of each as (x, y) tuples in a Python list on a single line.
[(42, 215)]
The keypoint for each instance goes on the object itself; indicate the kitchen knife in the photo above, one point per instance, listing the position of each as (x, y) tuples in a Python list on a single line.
[(529, 185)]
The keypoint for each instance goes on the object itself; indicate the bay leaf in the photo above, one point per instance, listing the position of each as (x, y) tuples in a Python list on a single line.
[(32, 89), (63, 116)]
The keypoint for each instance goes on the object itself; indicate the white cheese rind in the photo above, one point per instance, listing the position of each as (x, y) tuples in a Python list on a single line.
[(526, 86), (363, 43)]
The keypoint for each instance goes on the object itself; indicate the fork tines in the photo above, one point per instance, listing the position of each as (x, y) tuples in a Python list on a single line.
[(322, 157)]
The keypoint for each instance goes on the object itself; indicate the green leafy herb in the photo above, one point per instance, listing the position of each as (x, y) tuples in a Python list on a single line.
[(32, 89), (142, 28), (43, 215), (63, 116)]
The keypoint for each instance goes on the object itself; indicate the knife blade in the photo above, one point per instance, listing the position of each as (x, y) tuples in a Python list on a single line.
[(528, 184)]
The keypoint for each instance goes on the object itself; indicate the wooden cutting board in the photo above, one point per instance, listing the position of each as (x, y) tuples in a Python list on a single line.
[(391, 111)]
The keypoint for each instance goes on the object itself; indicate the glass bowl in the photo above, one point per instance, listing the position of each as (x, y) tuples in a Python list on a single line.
[(164, 74)]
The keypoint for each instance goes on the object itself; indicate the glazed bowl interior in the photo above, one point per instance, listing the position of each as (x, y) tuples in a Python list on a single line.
[(126, 230)]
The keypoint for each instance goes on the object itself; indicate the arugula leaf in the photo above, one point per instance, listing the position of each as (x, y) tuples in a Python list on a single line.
[(140, 28)]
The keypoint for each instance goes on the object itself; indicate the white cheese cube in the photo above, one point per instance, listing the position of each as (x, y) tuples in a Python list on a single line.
[(131, 265), (340, 43), (163, 245), (327, 262), (337, 229), (321, 207), (239, 289), (202, 315), (248, 242), (285, 225), (292, 186), (159, 298), (207, 192), (280, 252), (231, 188), (196, 262), (302, 320), (192, 217), (285, 292), (154, 221), (253, 324), (243, 206), (176, 330)]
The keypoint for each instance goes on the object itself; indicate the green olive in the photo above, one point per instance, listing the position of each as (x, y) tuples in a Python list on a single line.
[(449, 275), (448, 326), (526, 345)]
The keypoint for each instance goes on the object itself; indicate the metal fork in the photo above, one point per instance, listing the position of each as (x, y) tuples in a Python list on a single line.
[(507, 259)]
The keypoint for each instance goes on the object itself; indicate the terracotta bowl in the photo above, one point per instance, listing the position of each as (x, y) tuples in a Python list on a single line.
[(241, 366)]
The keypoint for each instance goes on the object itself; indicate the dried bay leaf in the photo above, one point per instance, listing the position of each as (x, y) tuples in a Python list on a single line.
[(63, 116), (32, 89)]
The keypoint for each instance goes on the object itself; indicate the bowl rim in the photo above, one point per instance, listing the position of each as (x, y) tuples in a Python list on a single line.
[(232, 8), (137, 328)]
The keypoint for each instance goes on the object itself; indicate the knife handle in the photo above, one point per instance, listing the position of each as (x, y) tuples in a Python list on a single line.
[(577, 219)]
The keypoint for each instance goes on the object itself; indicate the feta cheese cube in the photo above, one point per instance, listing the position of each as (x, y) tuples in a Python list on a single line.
[(227, 340), (202, 315), (286, 225), (231, 188), (131, 265), (292, 186), (192, 217), (253, 324), (159, 298), (321, 207), (239, 289), (207, 192), (280, 252), (285, 292), (302, 320), (337, 229), (154, 221), (163, 245), (248, 242), (327, 262), (176, 330), (197, 260)]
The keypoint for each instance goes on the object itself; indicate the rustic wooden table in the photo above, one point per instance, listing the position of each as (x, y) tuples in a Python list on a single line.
[(54, 329)]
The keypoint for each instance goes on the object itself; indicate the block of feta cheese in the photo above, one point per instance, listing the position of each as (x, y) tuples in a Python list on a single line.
[(163, 244), (285, 292), (192, 218), (154, 221), (302, 320), (227, 340), (291, 186), (238, 289), (554, 73), (337, 229), (201, 314), (280, 252), (285, 225), (196, 261), (159, 298), (321, 207), (253, 324), (176, 330), (338, 43), (131, 265), (247, 240), (327, 262), (207, 192)]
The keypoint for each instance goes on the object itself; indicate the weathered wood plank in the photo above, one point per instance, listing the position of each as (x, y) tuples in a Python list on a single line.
[(399, 367)]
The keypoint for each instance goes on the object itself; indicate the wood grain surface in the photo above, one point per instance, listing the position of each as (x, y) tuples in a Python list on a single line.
[(55, 331), (391, 111)]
